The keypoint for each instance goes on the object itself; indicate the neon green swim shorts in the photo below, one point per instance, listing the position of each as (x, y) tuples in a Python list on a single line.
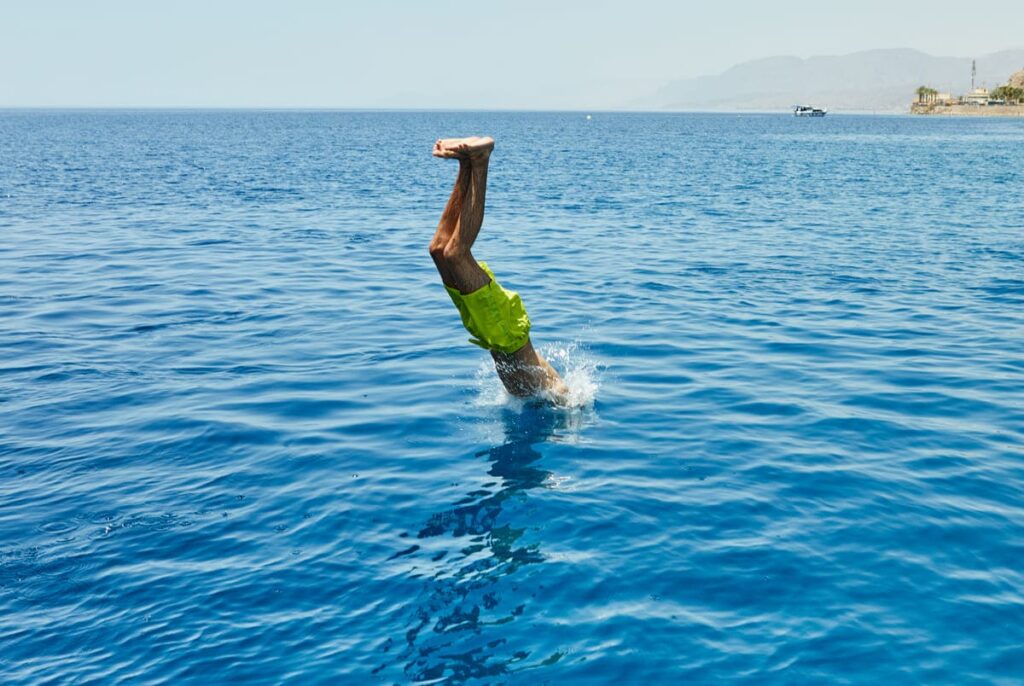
[(494, 316)]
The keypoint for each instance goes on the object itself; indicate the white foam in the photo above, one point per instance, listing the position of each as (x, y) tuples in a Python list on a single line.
[(579, 370)]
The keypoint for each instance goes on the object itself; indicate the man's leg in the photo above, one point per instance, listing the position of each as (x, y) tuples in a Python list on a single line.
[(463, 271), (523, 372), (449, 220)]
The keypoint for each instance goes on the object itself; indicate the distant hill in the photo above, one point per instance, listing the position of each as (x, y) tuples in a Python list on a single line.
[(879, 80)]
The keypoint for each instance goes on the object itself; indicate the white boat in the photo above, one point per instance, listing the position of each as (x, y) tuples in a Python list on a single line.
[(808, 111)]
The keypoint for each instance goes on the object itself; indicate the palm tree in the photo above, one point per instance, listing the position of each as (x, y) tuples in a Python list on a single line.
[(926, 95), (1008, 93)]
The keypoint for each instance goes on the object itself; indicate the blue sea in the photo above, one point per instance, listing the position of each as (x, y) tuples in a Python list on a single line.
[(244, 438)]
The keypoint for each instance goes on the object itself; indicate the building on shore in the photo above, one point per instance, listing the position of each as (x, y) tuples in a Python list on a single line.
[(1004, 101), (978, 96)]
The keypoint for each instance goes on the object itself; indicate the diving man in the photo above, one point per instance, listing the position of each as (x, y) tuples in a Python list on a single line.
[(495, 317)]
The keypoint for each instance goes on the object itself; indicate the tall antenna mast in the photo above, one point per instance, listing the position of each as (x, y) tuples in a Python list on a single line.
[(974, 73)]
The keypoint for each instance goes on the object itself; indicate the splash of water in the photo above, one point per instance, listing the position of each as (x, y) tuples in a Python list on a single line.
[(580, 371)]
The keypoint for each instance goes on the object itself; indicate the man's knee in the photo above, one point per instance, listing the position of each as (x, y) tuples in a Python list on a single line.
[(453, 252), (436, 250)]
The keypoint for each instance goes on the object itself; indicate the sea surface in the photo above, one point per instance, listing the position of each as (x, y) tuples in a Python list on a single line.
[(243, 438)]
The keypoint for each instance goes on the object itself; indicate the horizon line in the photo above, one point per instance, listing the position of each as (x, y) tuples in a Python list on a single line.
[(291, 108)]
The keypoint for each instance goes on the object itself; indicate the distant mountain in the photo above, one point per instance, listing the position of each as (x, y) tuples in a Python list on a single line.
[(880, 80)]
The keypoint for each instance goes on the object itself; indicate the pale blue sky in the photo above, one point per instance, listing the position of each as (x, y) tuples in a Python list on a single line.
[(443, 53)]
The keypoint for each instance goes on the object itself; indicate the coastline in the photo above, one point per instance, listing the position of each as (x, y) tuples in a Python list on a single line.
[(968, 110)]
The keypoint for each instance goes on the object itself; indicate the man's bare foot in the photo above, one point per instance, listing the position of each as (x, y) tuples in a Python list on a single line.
[(472, 148)]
